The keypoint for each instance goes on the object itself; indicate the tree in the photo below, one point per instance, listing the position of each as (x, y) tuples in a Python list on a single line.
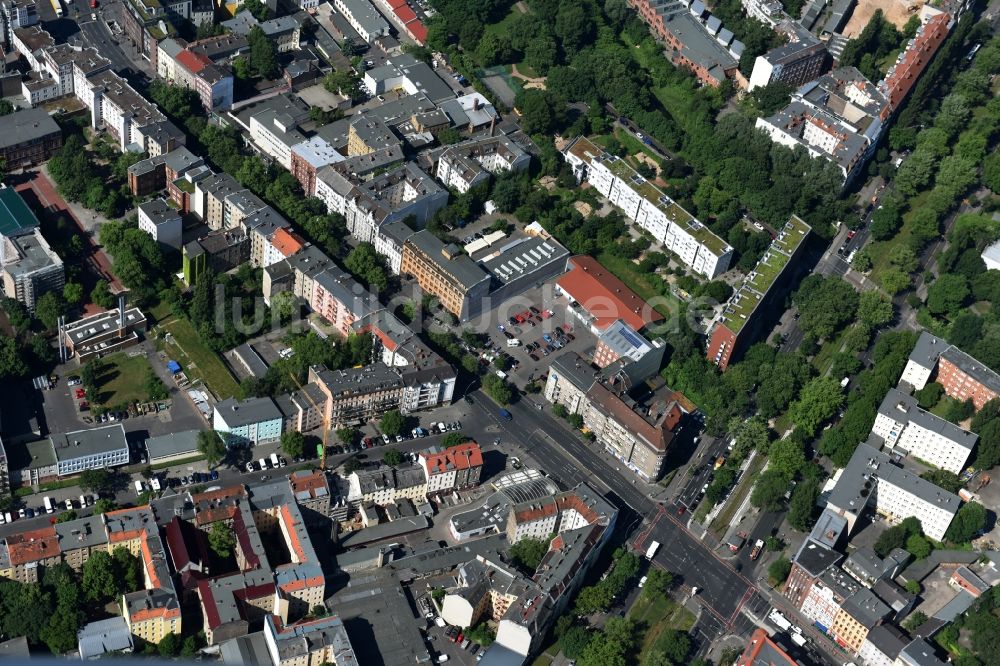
[(778, 571), (897, 536), (189, 648), (988, 450), (258, 9), (886, 221), (211, 446), (12, 365), (97, 480), (803, 504), (786, 457), (560, 410), (969, 521), (574, 642), (874, 309), (221, 540), (101, 294), (352, 465), (918, 546), (913, 587), (393, 457), (66, 516), (959, 410), (527, 554), (895, 281), (49, 308), (263, 54), (820, 399), (392, 423), (947, 294), (575, 421), (73, 293), (453, 439), (769, 491), (929, 395), (104, 505), (498, 389), (991, 172), (913, 622), (128, 570), (658, 582), (825, 305), (943, 479), (348, 435), (368, 266), (155, 388), (99, 582), (169, 645), (293, 443)]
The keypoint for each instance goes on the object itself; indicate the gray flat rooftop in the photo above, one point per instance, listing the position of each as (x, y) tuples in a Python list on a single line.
[(25, 126), (904, 408), (71, 445)]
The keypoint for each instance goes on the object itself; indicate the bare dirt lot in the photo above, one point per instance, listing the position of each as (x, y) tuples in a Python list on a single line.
[(896, 11)]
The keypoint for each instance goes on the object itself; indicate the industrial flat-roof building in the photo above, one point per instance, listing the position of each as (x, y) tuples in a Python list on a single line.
[(97, 448), (172, 447)]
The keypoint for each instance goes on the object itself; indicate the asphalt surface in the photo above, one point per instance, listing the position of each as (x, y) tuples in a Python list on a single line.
[(77, 27)]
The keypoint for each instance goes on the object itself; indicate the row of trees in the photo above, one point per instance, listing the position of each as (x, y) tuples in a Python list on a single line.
[(79, 179)]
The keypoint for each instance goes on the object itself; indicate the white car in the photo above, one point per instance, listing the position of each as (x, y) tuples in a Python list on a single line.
[(250, 467), (642, 581)]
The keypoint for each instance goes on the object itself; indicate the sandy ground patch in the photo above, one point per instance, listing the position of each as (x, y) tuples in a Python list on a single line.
[(897, 11)]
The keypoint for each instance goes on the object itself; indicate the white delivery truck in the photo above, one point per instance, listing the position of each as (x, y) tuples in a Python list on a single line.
[(651, 551), (47, 501), (263, 464), (138, 487), (155, 484), (780, 620), (274, 460)]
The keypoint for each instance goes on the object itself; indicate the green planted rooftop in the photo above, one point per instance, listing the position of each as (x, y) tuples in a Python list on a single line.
[(756, 285)]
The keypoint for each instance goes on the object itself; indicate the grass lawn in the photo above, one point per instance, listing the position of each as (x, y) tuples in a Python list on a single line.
[(160, 311), (197, 360), (656, 615), (123, 380), (824, 357), (649, 286), (879, 250), (721, 522)]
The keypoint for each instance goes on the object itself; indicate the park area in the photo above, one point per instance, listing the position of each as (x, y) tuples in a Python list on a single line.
[(657, 616)]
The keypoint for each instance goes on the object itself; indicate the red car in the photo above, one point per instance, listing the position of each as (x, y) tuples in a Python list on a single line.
[(80, 393)]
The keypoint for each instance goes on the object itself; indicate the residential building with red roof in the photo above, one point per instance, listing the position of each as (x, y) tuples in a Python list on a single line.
[(599, 299), (762, 650), (912, 62), (24, 554), (213, 82), (455, 468)]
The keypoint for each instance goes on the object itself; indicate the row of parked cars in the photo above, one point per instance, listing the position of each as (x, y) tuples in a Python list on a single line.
[(383, 439), (49, 505), (456, 636), (548, 344)]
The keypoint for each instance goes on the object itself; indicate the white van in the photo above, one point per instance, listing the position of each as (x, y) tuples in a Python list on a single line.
[(69, 504), (138, 487), (263, 464), (274, 460), (83, 501), (47, 501), (513, 342), (155, 483)]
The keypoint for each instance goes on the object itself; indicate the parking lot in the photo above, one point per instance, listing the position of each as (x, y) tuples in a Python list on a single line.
[(531, 330)]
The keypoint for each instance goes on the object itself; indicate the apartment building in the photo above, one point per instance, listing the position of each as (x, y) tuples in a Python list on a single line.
[(273, 126), (28, 137), (902, 424), (387, 485), (695, 39), (25, 554), (913, 60), (882, 645), (389, 241), (396, 194), (357, 395), (897, 493), (29, 268), (745, 315), (570, 378), (156, 173), (445, 272), (837, 118), (311, 491), (283, 31), (428, 380), (17, 14), (341, 300), (639, 435), (213, 82), (859, 614), (103, 447), (221, 250), (162, 222), (210, 196), (963, 377), (599, 299), (650, 208), (761, 649), (404, 72), (801, 60), (364, 18), (455, 468), (308, 157), (249, 422), (262, 226), (136, 124), (468, 164), (309, 642)]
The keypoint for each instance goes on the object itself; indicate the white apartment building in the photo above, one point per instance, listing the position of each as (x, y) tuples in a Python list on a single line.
[(162, 222), (363, 17), (897, 493), (464, 166), (649, 207), (902, 424), (923, 360), (98, 448)]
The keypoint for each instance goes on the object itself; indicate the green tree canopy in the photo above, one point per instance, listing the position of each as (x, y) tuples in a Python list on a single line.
[(392, 423), (825, 305), (820, 399), (528, 553), (293, 443), (769, 490), (211, 446), (221, 540), (393, 457), (968, 522)]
